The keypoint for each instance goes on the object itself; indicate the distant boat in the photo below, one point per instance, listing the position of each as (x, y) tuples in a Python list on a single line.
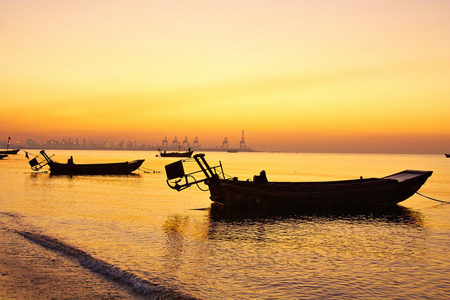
[(176, 154), (261, 193), (233, 151), (9, 151), (447, 155), (2, 156), (70, 168)]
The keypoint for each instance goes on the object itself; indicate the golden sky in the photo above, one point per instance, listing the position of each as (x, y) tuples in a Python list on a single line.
[(350, 75)]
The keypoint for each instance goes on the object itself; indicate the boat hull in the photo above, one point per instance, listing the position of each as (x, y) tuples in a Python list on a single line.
[(177, 154), (15, 151), (318, 195), (95, 169)]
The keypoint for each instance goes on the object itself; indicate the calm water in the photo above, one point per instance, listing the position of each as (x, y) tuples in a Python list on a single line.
[(174, 239)]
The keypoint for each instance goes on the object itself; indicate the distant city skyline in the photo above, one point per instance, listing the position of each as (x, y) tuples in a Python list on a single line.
[(84, 143), (367, 146)]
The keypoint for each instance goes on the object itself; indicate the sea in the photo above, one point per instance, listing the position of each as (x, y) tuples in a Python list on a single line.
[(157, 242)]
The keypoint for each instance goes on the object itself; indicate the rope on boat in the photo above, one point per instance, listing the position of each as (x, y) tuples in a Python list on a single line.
[(196, 182), (442, 201), (146, 170)]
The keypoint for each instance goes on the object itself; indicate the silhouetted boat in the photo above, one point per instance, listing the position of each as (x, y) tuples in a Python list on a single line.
[(70, 168), (233, 151), (176, 154), (2, 156), (9, 151), (308, 195), (447, 155)]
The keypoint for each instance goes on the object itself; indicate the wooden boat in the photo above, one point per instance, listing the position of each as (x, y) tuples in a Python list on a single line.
[(176, 154), (7, 152), (309, 195), (70, 168)]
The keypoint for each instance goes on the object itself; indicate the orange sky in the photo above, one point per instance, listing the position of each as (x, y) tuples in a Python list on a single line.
[(352, 76)]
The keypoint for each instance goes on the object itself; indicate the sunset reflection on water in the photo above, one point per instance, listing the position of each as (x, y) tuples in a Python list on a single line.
[(180, 241)]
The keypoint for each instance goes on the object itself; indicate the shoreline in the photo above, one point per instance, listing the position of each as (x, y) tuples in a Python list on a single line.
[(29, 271)]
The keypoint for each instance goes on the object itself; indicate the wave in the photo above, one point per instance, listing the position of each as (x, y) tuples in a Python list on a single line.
[(138, 285), (12, 215)]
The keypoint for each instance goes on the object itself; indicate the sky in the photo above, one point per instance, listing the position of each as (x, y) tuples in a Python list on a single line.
[(296, 75)]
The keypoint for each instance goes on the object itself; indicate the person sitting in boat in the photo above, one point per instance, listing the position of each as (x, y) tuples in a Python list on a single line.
[(70, 161), (262, 178)]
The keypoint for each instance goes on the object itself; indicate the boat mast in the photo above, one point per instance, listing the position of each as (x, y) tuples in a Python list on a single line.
[(204, 165), (47, 158)]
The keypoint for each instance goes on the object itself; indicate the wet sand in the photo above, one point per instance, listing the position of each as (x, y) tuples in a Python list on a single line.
[(29, 271)]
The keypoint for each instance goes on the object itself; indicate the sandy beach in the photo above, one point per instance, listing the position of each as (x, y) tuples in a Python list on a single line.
[(29, 271)]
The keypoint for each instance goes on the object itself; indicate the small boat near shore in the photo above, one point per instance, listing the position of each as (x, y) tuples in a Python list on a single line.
[(176, 154), (2, 156), (70, 168), (262, 193), (447, 155)]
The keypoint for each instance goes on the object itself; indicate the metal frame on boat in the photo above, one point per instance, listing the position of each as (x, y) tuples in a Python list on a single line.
[(314, 195)]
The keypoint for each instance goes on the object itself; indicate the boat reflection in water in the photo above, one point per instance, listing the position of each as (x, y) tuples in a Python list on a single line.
[(387, 214), (332, 242)]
